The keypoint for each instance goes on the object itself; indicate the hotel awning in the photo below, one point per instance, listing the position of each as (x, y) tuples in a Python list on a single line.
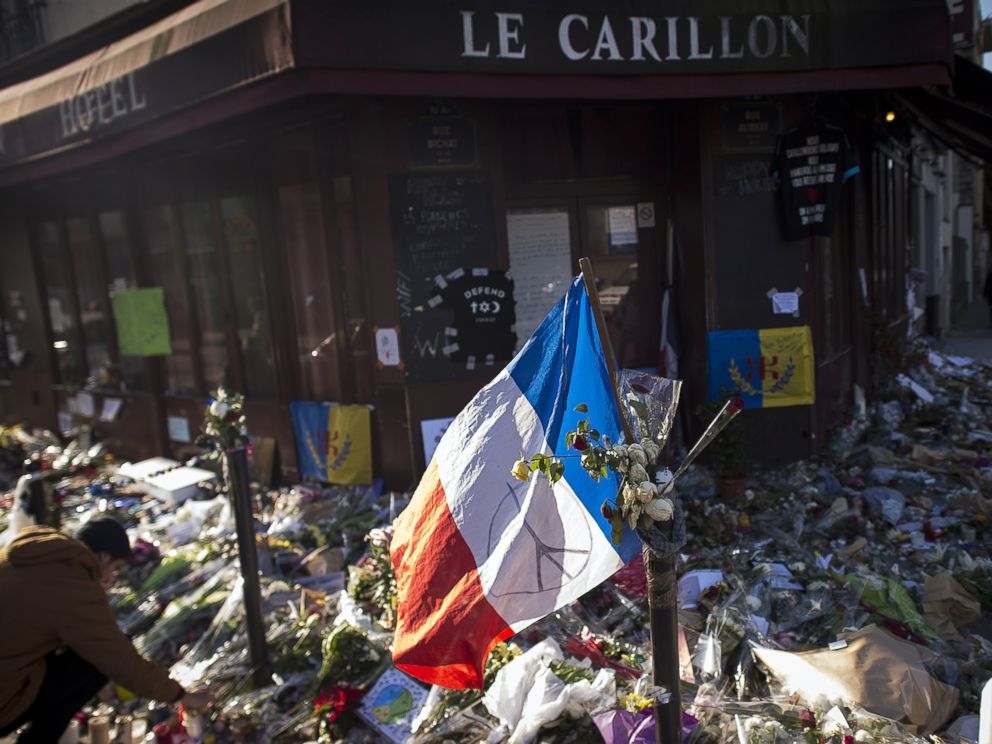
[(218, 58)]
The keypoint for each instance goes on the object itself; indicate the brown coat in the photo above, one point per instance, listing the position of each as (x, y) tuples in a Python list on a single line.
[(51, 596)]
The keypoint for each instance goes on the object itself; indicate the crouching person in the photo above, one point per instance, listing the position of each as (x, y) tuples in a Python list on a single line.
[(59, 640)]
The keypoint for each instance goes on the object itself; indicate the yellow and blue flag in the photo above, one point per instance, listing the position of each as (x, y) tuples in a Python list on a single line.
[(349, 445), (766, 368)]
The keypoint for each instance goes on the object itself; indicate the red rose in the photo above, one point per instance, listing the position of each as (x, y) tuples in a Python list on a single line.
[(580, 443)]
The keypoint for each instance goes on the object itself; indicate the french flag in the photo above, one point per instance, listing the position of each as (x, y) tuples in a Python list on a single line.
[(479, 555)]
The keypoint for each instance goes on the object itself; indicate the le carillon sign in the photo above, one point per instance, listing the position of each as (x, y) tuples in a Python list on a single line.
[(184, 59)]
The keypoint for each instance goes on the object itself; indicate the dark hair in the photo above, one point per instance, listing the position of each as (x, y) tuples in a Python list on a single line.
[(105, 535)]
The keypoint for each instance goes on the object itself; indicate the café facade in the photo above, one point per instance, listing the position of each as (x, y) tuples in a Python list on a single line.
[(330, 195)]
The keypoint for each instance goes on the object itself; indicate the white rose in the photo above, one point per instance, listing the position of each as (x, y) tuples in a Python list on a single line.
[(645, 491), (218, 409), (637, 473), (660, 510), (637, 454), (863, 736)]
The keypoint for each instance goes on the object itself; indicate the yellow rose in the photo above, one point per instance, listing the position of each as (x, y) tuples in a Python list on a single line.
[(521, 470)]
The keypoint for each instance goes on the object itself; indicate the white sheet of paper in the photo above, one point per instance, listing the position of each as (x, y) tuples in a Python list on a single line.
[(921, 392), (111, 407), (695, 583), (540, 263), (178, 429), (387, 347), (432, 431), (87, 406), (785, 303)]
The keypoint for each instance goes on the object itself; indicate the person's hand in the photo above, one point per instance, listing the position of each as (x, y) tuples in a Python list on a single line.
[(197, 699)]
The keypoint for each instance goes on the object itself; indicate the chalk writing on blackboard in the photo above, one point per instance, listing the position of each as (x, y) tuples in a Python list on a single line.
[(743, 176), (441, 221)]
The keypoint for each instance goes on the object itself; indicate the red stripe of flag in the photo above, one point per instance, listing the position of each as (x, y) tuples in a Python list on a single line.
[(445, 628)]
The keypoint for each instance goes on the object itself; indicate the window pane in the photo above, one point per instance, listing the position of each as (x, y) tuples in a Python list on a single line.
[(306, 257), (251, 316), (92, 300), (162, 236), (120, 276), (201, 259), (612, 241), (55, 277), (304, 242)]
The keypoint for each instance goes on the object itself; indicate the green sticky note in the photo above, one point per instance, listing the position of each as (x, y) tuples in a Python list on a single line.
[(142, 325)]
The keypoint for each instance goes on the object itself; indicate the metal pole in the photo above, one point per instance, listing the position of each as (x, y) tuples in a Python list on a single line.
[(662, 595), (237, 481)]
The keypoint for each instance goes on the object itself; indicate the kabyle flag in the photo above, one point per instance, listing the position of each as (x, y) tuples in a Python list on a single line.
[(480, 555)]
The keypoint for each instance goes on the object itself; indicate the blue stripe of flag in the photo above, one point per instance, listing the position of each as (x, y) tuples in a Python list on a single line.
[(561, 366)]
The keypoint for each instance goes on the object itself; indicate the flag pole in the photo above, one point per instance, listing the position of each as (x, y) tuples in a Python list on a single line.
[(662, 597), (585, 266)]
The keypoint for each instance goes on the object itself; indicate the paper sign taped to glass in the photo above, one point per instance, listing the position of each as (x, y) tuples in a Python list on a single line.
[(766, 368), (142, 323)]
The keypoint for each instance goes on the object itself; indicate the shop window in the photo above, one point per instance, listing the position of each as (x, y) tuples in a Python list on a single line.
[(59, 295), (165, 267), (233, 169), (834, 276), (92, 301), (890, 192), (304, 244), (612, 240), (201, 262), (540, 245), (120, 276)]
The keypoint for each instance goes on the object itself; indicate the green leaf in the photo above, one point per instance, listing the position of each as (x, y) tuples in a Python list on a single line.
[(640, 409), (569, 438), (533, 465), (603, 471), (582, 408), (594, 434), (543, 465), (583, 426)]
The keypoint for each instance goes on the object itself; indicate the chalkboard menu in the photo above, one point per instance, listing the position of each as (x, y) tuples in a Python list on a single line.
[(441, 222)]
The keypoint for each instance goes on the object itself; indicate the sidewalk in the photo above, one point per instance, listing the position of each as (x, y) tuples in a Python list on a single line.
[(972, 334)]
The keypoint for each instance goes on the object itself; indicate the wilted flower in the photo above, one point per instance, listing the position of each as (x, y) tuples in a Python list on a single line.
[(521, 470), (637, 473), (660, 510), (580, 443), (645, 491), (637, 454)]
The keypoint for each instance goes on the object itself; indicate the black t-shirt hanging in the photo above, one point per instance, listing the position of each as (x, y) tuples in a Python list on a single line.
[(812, 163), (484, 316)]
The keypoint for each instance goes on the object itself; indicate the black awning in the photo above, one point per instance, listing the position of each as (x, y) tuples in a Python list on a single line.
[(960, 115), (207, 48), (143, 86)]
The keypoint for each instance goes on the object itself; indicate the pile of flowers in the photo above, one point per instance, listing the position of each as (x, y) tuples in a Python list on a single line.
[(224, 423)]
